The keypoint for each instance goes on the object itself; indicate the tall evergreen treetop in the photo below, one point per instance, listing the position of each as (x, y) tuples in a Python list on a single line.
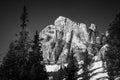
[(36, 53), (24, 34), (14, 65), (24, 17), (36, 42)]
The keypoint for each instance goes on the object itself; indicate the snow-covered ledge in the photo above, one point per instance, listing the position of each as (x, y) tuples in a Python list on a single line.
[(54, 68)]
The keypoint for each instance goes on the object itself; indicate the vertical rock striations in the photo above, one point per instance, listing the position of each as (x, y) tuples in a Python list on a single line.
[(64, 35), (86, 43)]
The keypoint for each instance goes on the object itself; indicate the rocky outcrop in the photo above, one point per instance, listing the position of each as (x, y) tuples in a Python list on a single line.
[(65, 35), (66, 38)]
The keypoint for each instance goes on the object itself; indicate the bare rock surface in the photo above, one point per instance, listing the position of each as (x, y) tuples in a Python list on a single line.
[(62, 37)]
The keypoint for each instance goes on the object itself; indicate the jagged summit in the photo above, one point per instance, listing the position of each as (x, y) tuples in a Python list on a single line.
[(62, 37), (59, 19), (67, 38)]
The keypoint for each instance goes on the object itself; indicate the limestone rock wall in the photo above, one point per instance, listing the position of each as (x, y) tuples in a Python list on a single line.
[(66, 35)]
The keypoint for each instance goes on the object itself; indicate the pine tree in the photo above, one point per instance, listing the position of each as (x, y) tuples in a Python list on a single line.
[(113, 52), (36, 59), (23, 45), (71, 69), (15, 62), (9, 67)]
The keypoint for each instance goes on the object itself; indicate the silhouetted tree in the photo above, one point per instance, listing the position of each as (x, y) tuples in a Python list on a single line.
[(15, 62), (36, 60), (23, 46), (113, 52), (9, 67), (71, 69)]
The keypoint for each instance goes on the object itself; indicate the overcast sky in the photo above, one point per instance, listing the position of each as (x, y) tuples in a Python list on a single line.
[(43, 13)]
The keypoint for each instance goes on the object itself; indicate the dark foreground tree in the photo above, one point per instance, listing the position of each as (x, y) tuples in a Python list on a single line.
[(9, 68), (23, 44), (15, 62), (71, 69), (113, 52), (38, 71)]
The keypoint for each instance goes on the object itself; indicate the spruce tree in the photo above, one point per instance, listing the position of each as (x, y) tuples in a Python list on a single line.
[(9, 69), (23, 45), (15, 62), (71, 69), (113, 52), (36, 60)]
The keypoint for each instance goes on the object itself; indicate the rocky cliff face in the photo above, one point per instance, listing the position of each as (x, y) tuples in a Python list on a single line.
[(66, 35), (66, 38)]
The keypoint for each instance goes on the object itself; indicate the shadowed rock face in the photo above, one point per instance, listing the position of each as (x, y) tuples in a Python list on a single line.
[(62, 37)]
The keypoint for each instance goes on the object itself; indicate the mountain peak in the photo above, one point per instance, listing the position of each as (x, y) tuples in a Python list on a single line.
[(62, 37)]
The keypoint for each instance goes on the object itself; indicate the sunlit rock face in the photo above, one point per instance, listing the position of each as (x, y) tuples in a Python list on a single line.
[(66, 37), (62, 37)]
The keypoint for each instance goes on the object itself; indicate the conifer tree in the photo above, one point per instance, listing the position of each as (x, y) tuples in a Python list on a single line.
[(9, 67), (71, 69), (15, 62), (36, 59), (113, 52), (23, 45)]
